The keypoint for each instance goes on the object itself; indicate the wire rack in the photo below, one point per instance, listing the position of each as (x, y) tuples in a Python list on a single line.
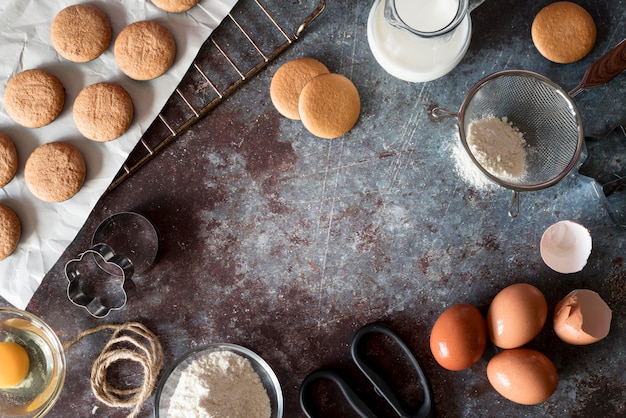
[(250, 37)]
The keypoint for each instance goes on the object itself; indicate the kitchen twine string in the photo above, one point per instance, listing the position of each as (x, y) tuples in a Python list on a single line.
[(147, 351)]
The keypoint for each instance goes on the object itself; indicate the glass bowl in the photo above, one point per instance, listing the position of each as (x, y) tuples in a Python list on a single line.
[(171, 378), (36, 394)]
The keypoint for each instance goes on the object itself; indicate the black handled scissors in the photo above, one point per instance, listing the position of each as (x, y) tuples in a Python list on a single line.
[(425, 410)]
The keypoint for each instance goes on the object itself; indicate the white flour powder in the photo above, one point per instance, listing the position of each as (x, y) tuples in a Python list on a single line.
[(220, 385), (468, 171), (498, 146)]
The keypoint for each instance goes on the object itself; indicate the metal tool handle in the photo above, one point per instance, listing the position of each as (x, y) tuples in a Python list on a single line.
[(353, 399), (514, 206), (427, 408), (605, 69), (441, 113)]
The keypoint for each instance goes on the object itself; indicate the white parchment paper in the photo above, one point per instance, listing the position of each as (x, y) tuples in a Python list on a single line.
[(48, 228)]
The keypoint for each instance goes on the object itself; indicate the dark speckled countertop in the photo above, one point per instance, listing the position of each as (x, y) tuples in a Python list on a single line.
[(287, 244)]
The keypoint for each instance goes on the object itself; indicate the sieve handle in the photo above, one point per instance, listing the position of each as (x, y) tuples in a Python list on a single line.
[(514, 206), (605, 69), (441, 113)]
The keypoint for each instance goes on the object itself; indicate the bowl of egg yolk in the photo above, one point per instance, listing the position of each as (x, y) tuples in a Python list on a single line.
[(32, 365)]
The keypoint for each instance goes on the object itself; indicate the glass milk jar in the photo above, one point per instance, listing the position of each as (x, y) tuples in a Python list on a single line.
[(420, 40)]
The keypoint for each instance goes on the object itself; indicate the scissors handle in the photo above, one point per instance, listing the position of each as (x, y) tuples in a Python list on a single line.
[(353, 399), (427, 408)]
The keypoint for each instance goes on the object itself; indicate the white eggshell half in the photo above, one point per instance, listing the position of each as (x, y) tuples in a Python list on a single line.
[(565, 246), (582, 317)]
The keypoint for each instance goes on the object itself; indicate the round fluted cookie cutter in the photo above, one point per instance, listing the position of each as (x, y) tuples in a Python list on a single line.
[(92, 287)]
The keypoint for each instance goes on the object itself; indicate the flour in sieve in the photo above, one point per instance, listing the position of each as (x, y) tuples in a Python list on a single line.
[(220, 385), (498, 146)]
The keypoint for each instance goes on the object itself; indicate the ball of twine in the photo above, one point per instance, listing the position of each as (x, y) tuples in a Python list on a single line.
[(131, 342)]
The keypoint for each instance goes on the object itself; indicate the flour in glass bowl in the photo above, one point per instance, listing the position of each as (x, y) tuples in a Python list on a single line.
[(220, 384), (498, 146)]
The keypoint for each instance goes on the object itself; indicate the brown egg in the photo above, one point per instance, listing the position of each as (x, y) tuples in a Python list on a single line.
[(582, 317), (459, 337), (523, 375), (516, 315)]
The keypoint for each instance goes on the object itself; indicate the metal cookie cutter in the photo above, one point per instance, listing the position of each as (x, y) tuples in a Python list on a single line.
[(92, 287), (132, 235), (100, 278)]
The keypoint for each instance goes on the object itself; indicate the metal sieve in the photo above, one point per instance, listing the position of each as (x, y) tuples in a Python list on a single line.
[(543, 112)]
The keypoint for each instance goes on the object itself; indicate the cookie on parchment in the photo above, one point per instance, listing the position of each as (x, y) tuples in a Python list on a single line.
[(8, 160), (80, 33), (34, 98), (329, 105), (563, 32), (10, 231), (144, 50), (288, 81), (55, 171), (103, 111), (175, 6)]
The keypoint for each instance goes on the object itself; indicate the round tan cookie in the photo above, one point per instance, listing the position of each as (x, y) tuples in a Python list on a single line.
[(103, 111), (54, 172), (8, 160), (80, 33), (329, 105), (563, 32), (10, 231), (144, 50), (288, 81), (34, 98), (175, 6)]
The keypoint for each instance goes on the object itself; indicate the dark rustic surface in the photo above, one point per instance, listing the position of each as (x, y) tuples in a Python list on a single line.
[(287, 244)]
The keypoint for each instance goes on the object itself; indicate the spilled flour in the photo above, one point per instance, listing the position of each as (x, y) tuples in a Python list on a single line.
[(467, 170), (220, 385), (498, 146)]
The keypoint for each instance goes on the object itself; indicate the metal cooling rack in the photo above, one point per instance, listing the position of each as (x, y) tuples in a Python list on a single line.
[(220, 69)]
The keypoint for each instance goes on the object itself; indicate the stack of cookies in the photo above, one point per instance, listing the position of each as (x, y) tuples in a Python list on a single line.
[(102, 112), (328, 104)]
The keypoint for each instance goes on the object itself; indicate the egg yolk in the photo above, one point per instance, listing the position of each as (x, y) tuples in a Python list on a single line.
[(14, 364)]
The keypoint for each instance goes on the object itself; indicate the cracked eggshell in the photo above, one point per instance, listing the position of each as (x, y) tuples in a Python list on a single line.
[(565, 246), (582, 318)]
